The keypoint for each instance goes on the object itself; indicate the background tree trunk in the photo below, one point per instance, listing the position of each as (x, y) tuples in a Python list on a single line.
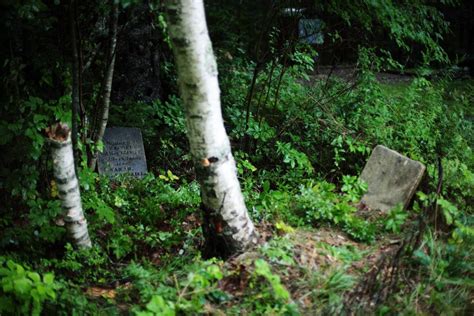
[(102, 110), (75, 84), (227, 226), (59, 136)]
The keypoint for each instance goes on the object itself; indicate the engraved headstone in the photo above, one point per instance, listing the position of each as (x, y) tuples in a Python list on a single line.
[(392, 179), (123, 152)]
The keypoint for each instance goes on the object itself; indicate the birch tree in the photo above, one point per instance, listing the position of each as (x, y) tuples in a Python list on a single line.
[(59, 136), (227, 226)]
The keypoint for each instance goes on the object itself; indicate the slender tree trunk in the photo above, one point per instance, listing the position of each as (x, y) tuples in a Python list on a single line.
[(75, 83), (102, 116), (59, 136), (82, 115), (244, 144), (248, 99), (227, 226)]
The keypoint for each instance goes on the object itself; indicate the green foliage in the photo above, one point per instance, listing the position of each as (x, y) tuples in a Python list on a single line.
[(297, 137), (22, 138), (162, 124), (316, 203), (405, 23), (265, 294), (297, 160), (24, 291), (23, 182), (446, 267), (329, 289), (348, 253), (320, 202), (354, 187), (71, 300), (343, 145), (459, 178), (158, 306), (177, 294), (244, 166), (279, 250), (450, 211), (81, 265), (396, 217)]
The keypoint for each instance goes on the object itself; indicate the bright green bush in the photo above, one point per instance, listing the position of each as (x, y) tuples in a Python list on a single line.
[(23, 291)]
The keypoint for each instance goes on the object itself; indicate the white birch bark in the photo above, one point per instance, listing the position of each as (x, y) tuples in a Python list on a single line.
[(227, 226), (59, 137)]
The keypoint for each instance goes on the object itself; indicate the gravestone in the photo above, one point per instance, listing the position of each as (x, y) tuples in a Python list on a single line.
[(310, 31), (123, 152), (392, 179)]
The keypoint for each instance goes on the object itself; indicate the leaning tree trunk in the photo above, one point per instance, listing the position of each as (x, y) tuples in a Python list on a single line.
[(227, 226), (59, 136), (102, 111)]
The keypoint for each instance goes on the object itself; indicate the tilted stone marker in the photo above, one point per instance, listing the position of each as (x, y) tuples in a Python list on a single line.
[(392, 179), (123, 152)]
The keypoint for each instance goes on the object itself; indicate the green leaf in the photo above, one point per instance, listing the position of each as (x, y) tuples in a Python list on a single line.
[(7, 286), (22, 285), (4, 271), (50, 292), (34, 276), (11, 265), (48, 278), (41, 290), (214, 271), (37, 118), (159, 306)]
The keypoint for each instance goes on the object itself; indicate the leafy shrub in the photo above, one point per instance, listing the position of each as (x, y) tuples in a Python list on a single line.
[(270, 297), (187, 292), (320, 202), (23, 291), (395, 219), (26, 191)]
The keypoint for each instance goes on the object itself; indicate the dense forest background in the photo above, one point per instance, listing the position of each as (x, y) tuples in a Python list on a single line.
[(303, 112)]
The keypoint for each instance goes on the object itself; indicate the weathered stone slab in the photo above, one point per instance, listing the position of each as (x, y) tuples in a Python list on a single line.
[(123, 152), (392, 179)]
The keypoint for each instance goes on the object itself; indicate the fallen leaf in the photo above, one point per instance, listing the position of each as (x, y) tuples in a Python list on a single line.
[(101, 292)]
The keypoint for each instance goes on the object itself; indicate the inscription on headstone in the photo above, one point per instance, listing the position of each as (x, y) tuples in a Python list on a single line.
[(123, 152), (392, 179)]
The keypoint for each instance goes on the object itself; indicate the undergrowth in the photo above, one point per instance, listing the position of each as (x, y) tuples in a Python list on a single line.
[(298, 156)]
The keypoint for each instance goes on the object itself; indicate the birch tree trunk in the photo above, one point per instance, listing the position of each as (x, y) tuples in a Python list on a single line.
[(59, 136), (102, 111), (227, 226)]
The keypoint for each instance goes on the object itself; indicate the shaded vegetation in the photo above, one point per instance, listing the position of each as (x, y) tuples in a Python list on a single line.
[(300, 138)]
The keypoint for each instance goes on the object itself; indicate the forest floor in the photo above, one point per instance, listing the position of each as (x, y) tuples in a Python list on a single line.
[(318, 267), (321, 270)]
